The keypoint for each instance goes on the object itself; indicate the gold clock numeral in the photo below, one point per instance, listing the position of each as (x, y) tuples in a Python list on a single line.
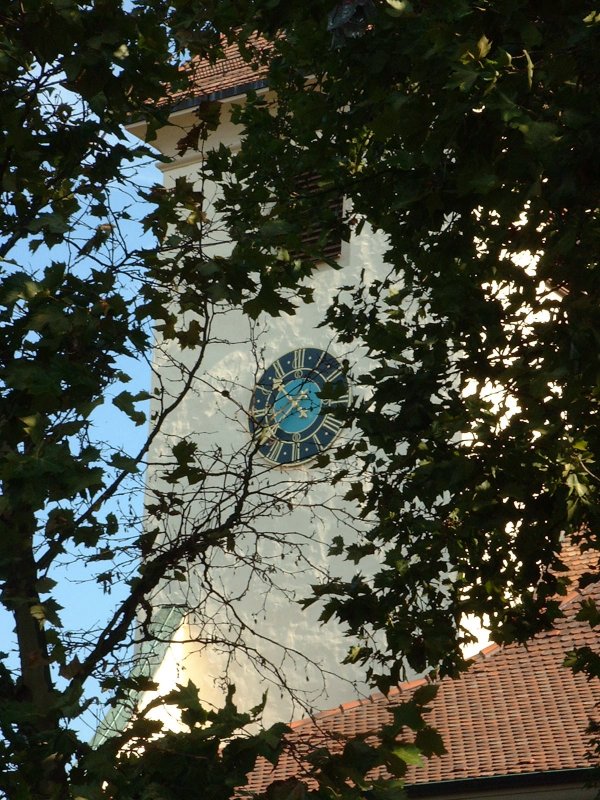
[(325, 363), (275, 451), (331, 376), (259, 413), (337, 402), (330, 424), (278, 369), (299, 359), (296, 451)]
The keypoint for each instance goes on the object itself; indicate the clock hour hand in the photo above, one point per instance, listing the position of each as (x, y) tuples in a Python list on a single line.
[(270, 419), (294, 402), (282, 413), (294, 399)]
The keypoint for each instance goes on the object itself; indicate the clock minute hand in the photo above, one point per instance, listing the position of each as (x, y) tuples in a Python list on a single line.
[(280, 386), (278, 415), (268, 427), (295, 402), (283, 413)]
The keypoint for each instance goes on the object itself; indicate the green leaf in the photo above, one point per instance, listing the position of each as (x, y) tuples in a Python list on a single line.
[(430, 742), (409, 754), (483, 47), (125, 401), (124, 463), (425, 694), (398, 8), (589, 612), (45, 585), (529, 63)]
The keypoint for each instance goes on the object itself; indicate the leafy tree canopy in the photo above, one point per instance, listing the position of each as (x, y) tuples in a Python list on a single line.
[(79, 290), (468, 133), (86, 270)]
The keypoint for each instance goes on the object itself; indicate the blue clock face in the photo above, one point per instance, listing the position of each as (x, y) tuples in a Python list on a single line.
[(294, 405)]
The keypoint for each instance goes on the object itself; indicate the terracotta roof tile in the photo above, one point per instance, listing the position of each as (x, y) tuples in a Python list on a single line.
[(516, 711), (577, 563), (227, 74)]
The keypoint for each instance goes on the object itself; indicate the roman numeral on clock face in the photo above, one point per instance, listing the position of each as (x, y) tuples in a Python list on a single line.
[(330, 424), (259, 413), (267, 433), (274, 452), (336, 402), (278, 369), (334, 374), (299, 359), (264, 390), (329, 368), (329, 427)]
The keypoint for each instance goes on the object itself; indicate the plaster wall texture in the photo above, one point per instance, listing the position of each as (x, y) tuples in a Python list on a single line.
[(248, 596), (246, 626)]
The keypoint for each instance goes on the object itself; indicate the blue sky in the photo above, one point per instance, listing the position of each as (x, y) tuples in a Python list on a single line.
[(83, 599)]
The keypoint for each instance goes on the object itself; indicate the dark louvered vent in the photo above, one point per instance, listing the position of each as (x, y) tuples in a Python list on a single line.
[(321, 210)]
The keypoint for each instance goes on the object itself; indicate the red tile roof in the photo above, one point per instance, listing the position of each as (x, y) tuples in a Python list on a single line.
[(578, 564), (229, 73), (517, 711)]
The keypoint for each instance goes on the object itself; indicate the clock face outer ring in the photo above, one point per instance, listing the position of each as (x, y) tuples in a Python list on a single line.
[(293, 405)]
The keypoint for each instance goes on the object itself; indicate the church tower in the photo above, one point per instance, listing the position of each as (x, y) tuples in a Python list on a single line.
[(260, 417), (260, 413)]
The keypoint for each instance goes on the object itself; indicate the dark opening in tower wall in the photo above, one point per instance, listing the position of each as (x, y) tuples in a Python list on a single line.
[(320, 209)]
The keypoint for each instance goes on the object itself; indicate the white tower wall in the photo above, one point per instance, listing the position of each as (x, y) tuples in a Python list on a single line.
[(246, 595)]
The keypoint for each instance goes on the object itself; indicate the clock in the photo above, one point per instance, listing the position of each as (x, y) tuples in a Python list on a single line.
[(293, 415)]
